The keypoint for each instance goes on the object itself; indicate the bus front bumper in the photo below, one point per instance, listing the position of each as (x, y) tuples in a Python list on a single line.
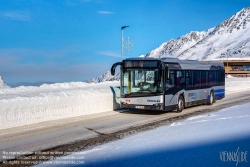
[(156, 106)]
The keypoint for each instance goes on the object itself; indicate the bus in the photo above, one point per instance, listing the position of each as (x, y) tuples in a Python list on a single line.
[(169, 84)]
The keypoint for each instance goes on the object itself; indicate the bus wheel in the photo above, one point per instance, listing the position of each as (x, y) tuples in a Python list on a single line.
[(211, 99), (180, 105)]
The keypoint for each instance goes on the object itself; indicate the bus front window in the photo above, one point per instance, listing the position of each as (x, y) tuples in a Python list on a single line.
[(140, 81)]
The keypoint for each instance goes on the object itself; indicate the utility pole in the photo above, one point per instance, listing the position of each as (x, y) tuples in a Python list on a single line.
[(123, 27), (228, 52)]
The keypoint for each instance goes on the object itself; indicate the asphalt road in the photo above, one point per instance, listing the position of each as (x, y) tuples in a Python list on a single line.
[(80, 133)]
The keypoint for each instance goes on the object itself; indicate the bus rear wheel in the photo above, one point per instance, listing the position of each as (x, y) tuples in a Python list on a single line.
[(180, 105), (211, 98)]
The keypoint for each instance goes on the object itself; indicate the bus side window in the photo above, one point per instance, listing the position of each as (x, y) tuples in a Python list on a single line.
[(204, 78), (211, 78), (221, 77), (180, 79), (189, 79), (172, 77), (197, 80), (170, 82)]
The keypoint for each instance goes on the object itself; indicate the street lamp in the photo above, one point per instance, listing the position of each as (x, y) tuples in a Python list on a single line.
[(123, 27), (228, 51)]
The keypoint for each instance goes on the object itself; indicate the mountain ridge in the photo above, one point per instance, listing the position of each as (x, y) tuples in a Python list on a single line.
[(228, 39), (3, 85)]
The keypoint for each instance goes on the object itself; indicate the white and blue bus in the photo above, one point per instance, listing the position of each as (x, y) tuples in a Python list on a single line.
[(169, 83)]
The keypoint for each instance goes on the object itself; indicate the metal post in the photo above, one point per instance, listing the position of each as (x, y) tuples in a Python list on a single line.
[(123, 27), (227, 65), (228, 51), (122, 44)]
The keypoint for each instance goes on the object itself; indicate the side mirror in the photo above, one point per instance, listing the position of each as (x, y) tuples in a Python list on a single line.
[(114, 66)]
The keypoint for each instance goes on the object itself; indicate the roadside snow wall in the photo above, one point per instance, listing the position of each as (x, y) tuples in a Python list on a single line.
[(28, 105)]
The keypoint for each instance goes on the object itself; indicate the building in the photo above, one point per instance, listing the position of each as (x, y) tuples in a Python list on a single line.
[(237, 68)]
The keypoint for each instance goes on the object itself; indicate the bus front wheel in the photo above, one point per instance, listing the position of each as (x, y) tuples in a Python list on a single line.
[(180, 105)]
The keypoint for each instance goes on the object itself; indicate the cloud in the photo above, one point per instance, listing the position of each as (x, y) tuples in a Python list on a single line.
[(109, 53), (105, 12), (17, 15)]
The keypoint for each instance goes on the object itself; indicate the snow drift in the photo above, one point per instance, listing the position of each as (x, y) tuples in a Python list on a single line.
[(27, 105)]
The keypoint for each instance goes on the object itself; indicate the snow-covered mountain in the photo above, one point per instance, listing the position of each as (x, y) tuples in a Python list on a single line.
[(3, 85), (231, 38), (105, 77)]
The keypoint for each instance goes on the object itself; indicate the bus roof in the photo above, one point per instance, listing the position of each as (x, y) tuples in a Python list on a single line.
[(185, 64)]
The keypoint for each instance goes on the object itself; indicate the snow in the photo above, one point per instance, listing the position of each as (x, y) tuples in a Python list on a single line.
[(234, 84), (105, 77), (196, 141), (29, 104), (3, 84), (229, 40)]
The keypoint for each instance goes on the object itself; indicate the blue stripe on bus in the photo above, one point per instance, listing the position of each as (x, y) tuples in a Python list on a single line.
[(219, 90), (219, 95)]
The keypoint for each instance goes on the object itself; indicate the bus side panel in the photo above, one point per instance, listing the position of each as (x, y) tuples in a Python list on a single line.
[(170, 102), (219, 92), (191, 95), (201, 94)]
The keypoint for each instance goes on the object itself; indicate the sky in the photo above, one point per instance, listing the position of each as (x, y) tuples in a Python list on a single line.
[(43, 41)]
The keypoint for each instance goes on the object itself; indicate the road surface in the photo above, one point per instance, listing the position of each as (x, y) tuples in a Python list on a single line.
[(85, 132)]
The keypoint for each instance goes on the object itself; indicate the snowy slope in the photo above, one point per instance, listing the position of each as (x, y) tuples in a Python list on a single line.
[(105, 77), (231, 38), (3, 85)]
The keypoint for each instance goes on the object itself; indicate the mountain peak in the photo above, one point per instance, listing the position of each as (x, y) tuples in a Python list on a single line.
[(105, 77), (236, 22), (3, 84), (230, 39)]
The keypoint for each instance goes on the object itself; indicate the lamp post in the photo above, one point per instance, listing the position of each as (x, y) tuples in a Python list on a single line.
[(228, 51), (123, 27)]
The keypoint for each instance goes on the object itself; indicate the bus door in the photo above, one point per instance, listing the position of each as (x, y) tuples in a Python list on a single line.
[(170, 88)]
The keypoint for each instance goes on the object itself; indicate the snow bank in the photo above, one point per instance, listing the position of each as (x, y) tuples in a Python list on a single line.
[(234, 84), (27, 105)]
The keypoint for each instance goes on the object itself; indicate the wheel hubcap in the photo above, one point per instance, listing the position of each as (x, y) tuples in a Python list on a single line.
[(180, 104), (211, 98)]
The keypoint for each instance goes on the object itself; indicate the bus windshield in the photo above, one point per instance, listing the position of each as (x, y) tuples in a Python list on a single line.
[(141, 82)]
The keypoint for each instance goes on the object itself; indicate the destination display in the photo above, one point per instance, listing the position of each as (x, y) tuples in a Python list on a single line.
[(140, 64)]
